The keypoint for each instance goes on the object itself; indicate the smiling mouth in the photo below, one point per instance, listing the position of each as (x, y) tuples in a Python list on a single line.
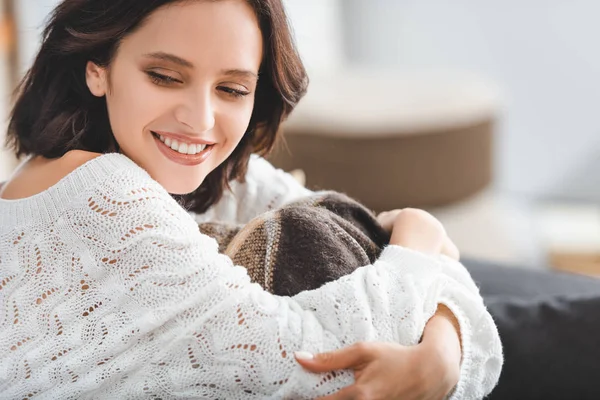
[(182, 147)]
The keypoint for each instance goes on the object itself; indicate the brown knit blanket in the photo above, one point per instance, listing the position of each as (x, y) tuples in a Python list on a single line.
[(303, 245)]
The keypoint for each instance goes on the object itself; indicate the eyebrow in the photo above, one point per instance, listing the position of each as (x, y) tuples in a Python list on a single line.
[(171, 58), (240, 72), (160, 55)]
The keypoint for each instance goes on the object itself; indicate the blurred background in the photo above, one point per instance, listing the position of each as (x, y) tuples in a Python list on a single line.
[(483, 113)]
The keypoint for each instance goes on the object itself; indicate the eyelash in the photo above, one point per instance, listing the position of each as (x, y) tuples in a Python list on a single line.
[(233, 92), (161, 79), (165, 80)]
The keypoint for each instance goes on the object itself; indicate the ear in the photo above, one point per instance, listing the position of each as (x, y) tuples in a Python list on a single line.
[(95, 77)]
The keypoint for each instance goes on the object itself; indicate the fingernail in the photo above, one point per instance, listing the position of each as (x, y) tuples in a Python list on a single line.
[(303, 355)]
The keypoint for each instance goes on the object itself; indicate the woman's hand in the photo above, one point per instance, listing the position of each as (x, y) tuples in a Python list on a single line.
[(427, 371), (418, 230)]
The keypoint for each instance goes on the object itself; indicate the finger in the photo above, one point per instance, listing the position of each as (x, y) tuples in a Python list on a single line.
[(347, 393), (418, 230), (449, 249), (386, 219), (347, 358)]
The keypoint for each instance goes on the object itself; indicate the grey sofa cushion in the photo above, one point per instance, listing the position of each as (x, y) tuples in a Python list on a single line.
[(501, 280), (549, 324)]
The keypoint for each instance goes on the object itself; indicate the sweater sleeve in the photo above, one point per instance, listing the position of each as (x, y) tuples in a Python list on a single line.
[(481, 347), (191, 323), (265, 188)]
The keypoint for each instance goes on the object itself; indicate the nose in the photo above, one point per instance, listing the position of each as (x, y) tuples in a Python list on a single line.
[(196, 111)]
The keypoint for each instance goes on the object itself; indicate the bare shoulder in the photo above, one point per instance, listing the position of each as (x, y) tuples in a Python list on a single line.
[(39, 174), (74, 159)]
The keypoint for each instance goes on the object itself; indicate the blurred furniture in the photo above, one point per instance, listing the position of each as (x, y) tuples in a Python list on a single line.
[(570, 234), (9, 75), (392, 139), (8, 41), (526, 231)]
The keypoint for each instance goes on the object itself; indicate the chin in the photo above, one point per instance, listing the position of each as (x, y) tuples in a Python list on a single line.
[(178, 186), (178, 180), (181, 189)]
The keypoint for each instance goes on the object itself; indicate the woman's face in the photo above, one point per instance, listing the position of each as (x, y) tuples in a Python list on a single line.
[(180, 90)]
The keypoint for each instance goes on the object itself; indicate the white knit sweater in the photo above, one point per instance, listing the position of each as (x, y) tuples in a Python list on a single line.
[(108, 290)]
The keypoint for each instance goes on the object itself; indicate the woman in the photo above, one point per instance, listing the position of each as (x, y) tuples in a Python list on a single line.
[(109, 288)]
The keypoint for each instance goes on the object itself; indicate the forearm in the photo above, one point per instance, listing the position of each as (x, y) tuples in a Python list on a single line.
[(444, 327), (442, 338), (464, 326)]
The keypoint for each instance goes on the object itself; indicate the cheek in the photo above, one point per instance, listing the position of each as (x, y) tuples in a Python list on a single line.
[(130, 108), (236, 122)]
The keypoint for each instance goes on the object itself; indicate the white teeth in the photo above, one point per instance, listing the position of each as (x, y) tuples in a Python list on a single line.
[(182, 148)]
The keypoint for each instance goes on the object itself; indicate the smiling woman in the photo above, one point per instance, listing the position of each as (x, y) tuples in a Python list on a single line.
[(107, 287)]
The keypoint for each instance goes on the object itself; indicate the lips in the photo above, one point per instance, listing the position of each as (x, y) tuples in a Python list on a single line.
[(183, 150), (182, 147)]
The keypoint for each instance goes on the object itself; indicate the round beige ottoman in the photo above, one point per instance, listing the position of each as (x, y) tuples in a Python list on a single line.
[(393, 140)]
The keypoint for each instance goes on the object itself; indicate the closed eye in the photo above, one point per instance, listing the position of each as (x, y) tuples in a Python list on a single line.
[(161, 79), (233, 92)]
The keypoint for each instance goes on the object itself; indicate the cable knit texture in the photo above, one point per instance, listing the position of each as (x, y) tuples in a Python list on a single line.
[(108, 290)]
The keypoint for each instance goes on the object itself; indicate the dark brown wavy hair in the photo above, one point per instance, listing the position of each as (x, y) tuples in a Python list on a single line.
[(55, 112)]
